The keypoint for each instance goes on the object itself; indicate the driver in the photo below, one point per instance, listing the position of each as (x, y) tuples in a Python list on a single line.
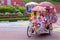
[(42, 21)]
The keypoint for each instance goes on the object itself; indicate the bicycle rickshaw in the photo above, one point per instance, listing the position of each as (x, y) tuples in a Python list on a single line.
[(40, 21)]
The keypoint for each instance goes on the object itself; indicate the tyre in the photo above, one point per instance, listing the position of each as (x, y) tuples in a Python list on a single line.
[(29, 32)]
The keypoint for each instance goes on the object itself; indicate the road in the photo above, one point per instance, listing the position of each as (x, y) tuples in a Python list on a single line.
[(17, 31)]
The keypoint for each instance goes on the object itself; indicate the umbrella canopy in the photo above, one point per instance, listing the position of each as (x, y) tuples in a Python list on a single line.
[(31, 3), (39, 8), (46, 4)]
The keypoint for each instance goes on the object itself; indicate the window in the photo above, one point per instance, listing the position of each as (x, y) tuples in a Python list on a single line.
[(2, 2), (8, 2)]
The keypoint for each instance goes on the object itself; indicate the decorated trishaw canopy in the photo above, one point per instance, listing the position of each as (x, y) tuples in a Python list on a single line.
[(48, 5), (44, 4), (39, 8), (31, 3)]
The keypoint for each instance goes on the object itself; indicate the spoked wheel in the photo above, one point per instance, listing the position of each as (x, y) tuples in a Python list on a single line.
[(29, 32)]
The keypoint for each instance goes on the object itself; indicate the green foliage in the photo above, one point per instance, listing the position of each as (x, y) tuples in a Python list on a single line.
[(26, 1), (56, 0), (20, 9), (13, 19), (7, 13), (11, 9), (20, 14), (38, 1), (7, 8), (1, 9)]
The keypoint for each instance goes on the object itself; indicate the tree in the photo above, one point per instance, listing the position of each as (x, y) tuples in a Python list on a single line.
[(56, 0), (26, 1), (38, 1)]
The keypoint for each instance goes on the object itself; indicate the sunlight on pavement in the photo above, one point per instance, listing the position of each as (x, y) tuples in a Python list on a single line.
[(56, 29), (26, 23)]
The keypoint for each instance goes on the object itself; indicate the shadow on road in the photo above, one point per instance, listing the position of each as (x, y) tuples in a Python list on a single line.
[(53, 36)]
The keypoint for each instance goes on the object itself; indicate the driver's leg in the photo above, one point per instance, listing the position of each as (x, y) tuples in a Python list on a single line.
[(41, 27)]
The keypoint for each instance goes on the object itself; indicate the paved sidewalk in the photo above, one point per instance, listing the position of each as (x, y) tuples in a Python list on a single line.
[(14, 24)]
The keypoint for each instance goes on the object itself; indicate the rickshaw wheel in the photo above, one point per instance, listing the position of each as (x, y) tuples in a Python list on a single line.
[(29, 32)]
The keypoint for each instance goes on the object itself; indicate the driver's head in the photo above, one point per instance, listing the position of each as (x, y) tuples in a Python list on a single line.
[(47, 10), (44, 13)]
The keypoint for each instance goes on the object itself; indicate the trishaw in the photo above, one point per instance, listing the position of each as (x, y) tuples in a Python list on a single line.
[(40, 21)]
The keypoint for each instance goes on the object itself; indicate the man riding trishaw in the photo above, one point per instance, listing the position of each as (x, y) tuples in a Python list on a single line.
[(41, 20)]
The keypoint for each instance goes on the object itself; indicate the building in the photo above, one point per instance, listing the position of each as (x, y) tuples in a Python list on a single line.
[(57, 8), (11, 2)]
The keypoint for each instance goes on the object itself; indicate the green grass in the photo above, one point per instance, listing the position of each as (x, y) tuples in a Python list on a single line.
[(13, 19)]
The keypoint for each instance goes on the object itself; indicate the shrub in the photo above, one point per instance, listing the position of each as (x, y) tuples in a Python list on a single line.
[(1, 9), (26, 1), (11, 9), (7, 13), (4, 9), (20, 9), (20, 14), (56, 0)]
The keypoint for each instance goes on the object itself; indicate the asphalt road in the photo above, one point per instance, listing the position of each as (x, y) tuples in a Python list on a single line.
[(17, 31), (19, 35)]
